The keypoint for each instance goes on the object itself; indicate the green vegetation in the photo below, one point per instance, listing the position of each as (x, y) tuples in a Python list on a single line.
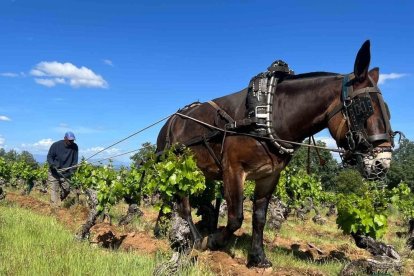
[(31, 244), (363, 207), (174, 175), (171, 175), (319, 162), (402, 165)]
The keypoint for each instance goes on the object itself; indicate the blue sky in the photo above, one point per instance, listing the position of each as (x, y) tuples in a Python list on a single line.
[(106, 69)]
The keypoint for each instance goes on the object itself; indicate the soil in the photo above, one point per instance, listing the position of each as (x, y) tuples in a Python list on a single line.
[(220, 262)]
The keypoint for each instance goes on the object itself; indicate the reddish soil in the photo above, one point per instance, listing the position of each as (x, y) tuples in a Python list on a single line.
[(109, 236), (219, 262), (103, 234)]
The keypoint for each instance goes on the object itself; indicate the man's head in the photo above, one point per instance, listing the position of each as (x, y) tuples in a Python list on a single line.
[(70, 137)]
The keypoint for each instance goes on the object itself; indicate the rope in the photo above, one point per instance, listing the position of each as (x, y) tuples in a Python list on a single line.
[(116, 143), (133, 134), (202, 123)]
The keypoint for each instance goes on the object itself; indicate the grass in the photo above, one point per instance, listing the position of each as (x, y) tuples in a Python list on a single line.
[(32, 244), (72, 258), (285, 258)]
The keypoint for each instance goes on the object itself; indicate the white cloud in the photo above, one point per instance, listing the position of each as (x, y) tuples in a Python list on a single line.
[(52, 73), (108, 62), (391, 76), (104, 154), (42, 146), (12, 75), (4, 118), (9, 75), (45, 82), (2, 141)]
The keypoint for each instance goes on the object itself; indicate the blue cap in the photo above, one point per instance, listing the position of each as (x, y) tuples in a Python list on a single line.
[(69, 135)]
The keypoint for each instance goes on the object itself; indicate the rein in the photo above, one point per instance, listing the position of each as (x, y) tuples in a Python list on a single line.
[(256, 136), (226, 131)]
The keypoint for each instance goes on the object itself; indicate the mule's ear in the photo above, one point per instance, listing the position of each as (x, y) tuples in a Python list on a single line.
[(374, 74), (362, 61)]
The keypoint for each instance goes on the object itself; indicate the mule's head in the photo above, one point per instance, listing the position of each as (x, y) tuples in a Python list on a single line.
[(361, 125)]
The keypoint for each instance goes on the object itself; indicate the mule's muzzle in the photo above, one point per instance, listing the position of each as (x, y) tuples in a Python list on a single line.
[(376, 164), (373, 165)]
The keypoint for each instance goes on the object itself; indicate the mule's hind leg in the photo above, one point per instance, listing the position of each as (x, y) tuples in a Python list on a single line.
[(206, 209), (184, 210), (233, 180), (262, 194)]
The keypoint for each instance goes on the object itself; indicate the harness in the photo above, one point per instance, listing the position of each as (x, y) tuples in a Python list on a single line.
[(356, 107), (205, 139), (259, 105)]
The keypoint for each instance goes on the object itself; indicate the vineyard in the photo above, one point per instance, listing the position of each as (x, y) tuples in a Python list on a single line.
[(327, 222)]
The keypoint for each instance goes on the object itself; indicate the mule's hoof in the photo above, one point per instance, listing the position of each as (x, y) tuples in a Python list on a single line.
[(255, 262), (80, 237), (204, 244), (201, 244)]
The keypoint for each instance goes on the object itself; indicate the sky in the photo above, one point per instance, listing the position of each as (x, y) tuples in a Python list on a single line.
[(107, 69)]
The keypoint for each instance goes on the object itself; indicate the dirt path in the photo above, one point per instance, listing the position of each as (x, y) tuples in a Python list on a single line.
[(219, 262), (104, 234)]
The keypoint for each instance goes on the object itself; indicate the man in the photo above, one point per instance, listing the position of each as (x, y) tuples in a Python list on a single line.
[(62, 156)]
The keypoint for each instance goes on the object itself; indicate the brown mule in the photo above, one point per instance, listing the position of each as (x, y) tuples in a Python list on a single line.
[(302, 106)]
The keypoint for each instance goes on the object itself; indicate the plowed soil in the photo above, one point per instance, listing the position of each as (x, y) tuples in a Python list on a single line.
[(220, 262)]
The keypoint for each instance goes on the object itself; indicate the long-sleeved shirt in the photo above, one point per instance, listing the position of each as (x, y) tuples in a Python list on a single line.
[(62, 155)]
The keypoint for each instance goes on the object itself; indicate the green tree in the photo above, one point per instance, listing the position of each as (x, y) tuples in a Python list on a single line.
[(146, 150), (326, 168), (11, 156), (349, 181), (402, 165), (28, 158)]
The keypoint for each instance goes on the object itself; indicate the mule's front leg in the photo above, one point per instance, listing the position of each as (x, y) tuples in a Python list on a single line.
[(263, 192), (257, 256)]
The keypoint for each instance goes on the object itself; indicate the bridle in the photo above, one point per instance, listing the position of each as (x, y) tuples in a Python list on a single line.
[(356, 107)]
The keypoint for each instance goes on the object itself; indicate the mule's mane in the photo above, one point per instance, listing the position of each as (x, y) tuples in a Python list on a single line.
[(310, 75)]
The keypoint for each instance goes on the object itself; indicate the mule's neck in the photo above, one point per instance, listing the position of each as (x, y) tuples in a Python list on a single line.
[(300, 106)]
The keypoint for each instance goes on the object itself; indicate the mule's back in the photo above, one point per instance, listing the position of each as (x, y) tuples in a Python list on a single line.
[(179, 129)]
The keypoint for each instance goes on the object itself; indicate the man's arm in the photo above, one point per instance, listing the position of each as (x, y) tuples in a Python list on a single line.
[(51, 157), (74, 161)]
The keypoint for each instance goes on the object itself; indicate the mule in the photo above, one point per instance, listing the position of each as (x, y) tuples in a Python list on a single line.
[(349, 105)]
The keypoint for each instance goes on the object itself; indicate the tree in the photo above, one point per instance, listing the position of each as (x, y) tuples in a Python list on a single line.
[(28, 158), (144, 152), (402, 165), (326, 171), (349, 181), (11, 156)]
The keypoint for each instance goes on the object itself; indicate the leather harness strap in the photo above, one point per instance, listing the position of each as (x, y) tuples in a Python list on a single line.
[(339, 130), (221, 112)]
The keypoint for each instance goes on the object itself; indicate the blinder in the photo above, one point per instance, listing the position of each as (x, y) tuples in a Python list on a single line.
[(357, 108), (359, 111)]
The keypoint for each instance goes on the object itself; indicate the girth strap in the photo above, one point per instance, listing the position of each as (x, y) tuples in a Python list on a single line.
[(213, 155)]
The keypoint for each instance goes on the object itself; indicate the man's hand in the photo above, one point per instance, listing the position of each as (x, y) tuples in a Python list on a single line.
[(54, 169)]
